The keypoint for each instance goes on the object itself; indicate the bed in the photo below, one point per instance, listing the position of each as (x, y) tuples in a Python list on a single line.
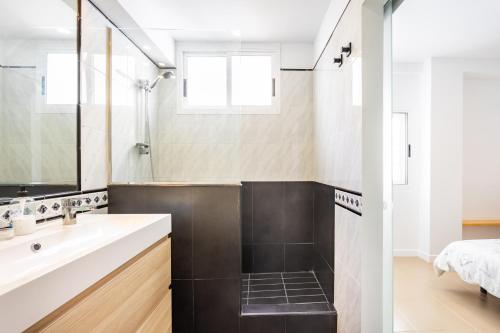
[(475, 261)]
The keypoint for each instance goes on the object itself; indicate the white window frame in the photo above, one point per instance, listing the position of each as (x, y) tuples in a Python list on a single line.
[(228, 51)]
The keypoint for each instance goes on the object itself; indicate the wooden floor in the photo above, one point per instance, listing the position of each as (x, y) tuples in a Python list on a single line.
[(424, 302)]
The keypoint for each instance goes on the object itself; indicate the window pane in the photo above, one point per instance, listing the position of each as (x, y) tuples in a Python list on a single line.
[(206, 81), (62, 78), (251, 80), (399, 148)]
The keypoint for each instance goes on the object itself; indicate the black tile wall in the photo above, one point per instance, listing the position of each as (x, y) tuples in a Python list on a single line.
[(216, 236), (246, 213), (176, 200), (298, 210), (277, 217), (289, 324), (268, 212), (183, 306), (216, 308), (284, 226), (268, 258), (311, 323), (298, 257), (247, 258), (324, 274), (324, 236), (206, 249), (267, 324)]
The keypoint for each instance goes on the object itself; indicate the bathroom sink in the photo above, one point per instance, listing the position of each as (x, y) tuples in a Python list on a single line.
[(42, 271)]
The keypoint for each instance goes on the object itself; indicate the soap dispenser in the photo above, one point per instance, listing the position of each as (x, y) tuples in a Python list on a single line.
[(23, 214)]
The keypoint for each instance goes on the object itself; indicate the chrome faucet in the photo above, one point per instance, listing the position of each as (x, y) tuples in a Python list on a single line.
[(70, 207)]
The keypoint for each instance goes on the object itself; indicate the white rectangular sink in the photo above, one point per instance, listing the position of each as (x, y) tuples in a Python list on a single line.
[(70, 259)]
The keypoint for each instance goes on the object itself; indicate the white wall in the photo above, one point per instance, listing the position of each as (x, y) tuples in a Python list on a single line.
[(408, 97), (296, 55), (332, 16), (455, 165), (447, 119), (481, 157)]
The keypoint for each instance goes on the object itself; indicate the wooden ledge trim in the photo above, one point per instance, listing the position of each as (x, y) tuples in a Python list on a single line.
[(480, 223)]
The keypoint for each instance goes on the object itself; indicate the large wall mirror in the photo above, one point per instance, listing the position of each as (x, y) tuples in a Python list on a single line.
[(39, 92)]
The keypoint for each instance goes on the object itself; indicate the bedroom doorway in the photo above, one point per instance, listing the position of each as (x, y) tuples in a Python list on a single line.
[(445, 112)]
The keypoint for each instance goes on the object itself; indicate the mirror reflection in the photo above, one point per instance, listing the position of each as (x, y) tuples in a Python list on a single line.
[(38, 96)]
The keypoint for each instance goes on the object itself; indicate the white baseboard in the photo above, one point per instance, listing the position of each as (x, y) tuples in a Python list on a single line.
[(404, 253), (426, 256), (414, 253)]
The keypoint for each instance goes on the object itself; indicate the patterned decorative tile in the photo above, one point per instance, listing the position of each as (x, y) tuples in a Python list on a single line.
[(52, 207), (349, 200)]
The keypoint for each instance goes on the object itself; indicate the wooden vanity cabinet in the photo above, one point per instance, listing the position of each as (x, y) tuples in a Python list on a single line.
[(136, 297)]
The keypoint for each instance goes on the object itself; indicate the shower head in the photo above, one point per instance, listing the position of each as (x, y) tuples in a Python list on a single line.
[(164, 75)]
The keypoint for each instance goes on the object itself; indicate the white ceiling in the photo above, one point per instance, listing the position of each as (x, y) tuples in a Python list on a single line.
[(220, 20), (38, 19), (446, 28)]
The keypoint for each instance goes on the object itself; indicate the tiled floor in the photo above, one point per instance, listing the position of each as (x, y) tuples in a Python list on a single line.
[(424, 302), (282, 293)]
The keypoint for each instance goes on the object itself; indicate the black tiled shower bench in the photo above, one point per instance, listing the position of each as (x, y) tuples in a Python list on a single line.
[(287, 258), (283, 293)]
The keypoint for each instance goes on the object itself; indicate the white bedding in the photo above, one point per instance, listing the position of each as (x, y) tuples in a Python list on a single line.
[(475, 261)]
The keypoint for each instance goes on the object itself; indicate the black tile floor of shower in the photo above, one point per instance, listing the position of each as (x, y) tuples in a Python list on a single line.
[(282, 293)]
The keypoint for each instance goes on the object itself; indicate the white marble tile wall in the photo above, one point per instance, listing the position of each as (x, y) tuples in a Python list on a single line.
[(238, 147), (337, 108), (129, 66), (337, 156), (94, 161), (347, 286)]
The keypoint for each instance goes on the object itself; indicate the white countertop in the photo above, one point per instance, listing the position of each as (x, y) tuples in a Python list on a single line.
[(71, 259)]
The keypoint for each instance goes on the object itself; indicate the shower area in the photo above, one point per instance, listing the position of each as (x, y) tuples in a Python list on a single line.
[(282, 237), (134, 111), (253, 233)]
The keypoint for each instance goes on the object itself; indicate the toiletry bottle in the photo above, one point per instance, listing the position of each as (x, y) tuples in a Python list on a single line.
[(6, 229), (23, 214)]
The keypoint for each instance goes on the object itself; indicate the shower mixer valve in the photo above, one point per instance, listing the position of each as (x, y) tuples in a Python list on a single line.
[(143, 148)]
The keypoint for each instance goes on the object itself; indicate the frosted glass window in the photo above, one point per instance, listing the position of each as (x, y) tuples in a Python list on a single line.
[(62, 79), (251, 80), (206, 81), (399, 148)]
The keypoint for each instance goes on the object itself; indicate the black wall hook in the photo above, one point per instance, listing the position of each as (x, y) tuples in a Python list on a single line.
[(339, 61), (347, 49)]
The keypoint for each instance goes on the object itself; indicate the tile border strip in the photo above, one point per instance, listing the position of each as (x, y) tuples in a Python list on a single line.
[(49, 207), (349, 200)]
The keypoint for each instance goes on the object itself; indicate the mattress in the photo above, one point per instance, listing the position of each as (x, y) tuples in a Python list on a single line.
[(475, 261)]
